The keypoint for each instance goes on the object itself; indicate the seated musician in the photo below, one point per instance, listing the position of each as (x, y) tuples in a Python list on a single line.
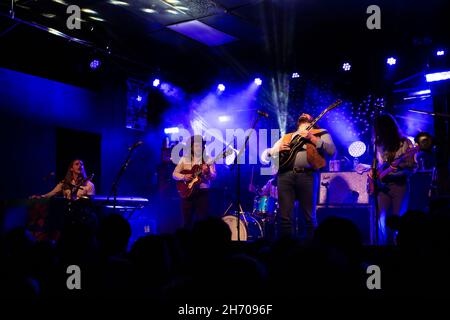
[(75, 184), (268, 190), (195, 207)]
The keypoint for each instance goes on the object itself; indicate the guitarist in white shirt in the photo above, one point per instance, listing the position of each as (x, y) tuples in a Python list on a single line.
[(393, 192), (195, 207), (301, 183)]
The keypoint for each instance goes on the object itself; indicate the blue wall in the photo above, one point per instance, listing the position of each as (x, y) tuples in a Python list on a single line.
[(31, 108)]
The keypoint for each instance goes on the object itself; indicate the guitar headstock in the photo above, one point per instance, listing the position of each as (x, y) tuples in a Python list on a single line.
[(333, 105), (329, 108)]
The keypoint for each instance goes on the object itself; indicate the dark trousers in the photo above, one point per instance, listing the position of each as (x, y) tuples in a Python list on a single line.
[(392, 201), (297, 186), (195, 207)]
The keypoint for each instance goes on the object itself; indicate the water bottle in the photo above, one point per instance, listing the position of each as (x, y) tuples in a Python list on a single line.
[(355, 163)]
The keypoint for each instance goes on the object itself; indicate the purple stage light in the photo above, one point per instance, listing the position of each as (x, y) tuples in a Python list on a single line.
[(258, 81), (221, 87), (139, 98), (391, 61), (156, 82), (224, 118), (440, 52), (94, 64), (295, 75)]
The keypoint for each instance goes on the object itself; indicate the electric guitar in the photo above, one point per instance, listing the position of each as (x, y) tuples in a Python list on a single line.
[(287, 157), (186, 188), (387, 169)]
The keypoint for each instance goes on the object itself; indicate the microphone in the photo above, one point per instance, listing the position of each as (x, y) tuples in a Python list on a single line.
[(137, 144), (261, 113)]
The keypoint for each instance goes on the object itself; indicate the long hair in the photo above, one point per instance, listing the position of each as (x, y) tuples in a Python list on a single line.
[(387, 133), (69, 176), (197, 138)]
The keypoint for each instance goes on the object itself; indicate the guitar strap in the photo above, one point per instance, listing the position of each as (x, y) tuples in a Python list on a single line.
[(313, 156)]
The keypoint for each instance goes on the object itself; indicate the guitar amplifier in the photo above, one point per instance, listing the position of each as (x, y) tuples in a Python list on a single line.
[(361, 216), (343, 188)]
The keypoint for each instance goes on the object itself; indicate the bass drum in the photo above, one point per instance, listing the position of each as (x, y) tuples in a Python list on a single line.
[(249, 228)]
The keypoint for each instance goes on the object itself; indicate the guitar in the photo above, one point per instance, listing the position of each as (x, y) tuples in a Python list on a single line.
[(75, 187), (287, 157), (387, 169), (186, 188)]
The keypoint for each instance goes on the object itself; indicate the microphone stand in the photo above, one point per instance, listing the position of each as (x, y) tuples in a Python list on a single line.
[(117, 179), (374, 170), (238, 175)]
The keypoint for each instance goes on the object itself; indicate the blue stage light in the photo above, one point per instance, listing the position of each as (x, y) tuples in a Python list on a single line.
[(437, 76), (171, 130), (391, 61), (95, 64)]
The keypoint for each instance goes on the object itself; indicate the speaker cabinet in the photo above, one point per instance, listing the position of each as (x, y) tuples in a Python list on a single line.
[(420, 184), (361, 216), (343, 188)]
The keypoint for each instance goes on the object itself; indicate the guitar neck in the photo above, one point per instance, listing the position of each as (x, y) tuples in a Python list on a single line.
[(331, 107)]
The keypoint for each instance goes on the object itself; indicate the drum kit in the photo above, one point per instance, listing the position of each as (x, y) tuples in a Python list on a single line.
[(253, 225)]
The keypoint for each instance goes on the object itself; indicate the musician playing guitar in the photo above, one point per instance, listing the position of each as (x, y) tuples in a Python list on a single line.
[(76, 187), (195, 205), (75, 184), (395, 164), (301, 182)]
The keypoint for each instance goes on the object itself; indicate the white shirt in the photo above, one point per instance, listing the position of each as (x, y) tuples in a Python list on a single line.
[(185, 163), (87, 190)]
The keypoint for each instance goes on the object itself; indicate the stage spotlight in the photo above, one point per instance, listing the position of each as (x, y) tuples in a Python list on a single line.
[(156, 82), (420, 92), (119, 3), (357, 149), (391, 61), (258, 81), (95, 64), (221, 87), (139, 98), (437, 76), (224, 118), (295, 75), (440, 52), (171, 130), (346, 66)]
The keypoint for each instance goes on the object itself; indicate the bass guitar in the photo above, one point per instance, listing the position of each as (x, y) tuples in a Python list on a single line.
[(387, 169)]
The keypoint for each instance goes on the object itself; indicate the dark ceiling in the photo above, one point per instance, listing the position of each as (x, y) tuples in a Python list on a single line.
[(268, 36)]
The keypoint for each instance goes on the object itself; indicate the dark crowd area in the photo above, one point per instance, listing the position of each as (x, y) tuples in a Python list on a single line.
[(204, 265)]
